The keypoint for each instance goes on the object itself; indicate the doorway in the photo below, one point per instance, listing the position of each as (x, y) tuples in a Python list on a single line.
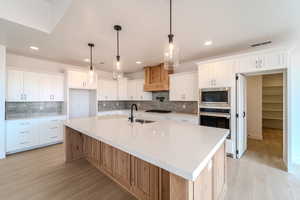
[(261, 109)]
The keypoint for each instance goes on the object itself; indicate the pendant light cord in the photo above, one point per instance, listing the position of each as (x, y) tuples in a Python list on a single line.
[(170, 17), (91, 59), (118, 47)]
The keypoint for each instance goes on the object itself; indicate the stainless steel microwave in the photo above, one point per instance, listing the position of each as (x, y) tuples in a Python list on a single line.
[(215, 96)]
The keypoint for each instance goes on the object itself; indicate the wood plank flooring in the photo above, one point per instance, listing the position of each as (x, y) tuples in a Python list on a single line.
[(260, 173), (42, 175)]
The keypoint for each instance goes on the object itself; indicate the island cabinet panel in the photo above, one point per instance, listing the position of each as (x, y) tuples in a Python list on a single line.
[(92, 150), (203, 186), (107, 158), (121, 169), (73, 145), (144, 180), (219, 173)]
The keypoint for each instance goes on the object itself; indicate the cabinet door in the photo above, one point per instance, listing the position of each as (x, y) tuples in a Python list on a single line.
[(91, 81), (107, 158), (140, 94), (21, 134), (57, 88), (31, 86), (274, 60), (144, 179), (247, 64), (205, 75), (122, 167), (14, 90), (112, 90), (46, 84), (131, 90), (224, 73), (122, 89), (76, 79), (100, 89)]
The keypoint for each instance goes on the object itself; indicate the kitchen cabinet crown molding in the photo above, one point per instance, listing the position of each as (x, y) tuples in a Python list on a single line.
[(238, 55)]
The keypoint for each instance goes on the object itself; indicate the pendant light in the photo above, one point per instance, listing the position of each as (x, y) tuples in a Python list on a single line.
[(91, 72), (117, 70), (171, 54)]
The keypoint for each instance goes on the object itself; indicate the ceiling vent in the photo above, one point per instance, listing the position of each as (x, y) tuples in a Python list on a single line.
[(261, 44)]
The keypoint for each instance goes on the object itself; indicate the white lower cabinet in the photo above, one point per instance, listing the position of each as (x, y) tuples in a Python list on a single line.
[(21, 134), (52, 130), (28, 134)]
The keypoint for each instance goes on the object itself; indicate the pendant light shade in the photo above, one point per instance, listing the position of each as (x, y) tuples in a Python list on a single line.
[(171, 53), (117, 67), (91, 71)]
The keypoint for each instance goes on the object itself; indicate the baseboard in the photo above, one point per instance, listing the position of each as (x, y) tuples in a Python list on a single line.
[(33, 147), (255, 137)]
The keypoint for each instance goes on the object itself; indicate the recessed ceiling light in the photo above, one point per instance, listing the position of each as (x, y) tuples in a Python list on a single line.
[(138, 62), (86, 60), (34, 48), (208, 43)]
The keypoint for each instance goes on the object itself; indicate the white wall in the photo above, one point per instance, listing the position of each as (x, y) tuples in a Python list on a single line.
[(38, 65), (254, 107), (294, 109), (2, 100)]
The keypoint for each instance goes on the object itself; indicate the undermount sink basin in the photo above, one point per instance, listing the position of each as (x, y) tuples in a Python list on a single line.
[(143, 121)]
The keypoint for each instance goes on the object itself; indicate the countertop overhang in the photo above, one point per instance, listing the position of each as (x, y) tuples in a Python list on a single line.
[(180, 148)]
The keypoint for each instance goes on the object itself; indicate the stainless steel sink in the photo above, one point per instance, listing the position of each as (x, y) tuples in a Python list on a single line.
[(143, 121)]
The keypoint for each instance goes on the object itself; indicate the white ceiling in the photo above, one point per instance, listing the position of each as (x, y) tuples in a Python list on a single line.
[(232, 25)]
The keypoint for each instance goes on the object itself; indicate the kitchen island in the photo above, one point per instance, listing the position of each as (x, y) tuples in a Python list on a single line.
[(162, 160)]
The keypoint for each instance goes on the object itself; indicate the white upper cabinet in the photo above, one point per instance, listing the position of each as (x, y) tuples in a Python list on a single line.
[(52, 88), (107, 90), (264, 61), (31, 87), (184, 87), (135, 91), (15, 90), (140, 93), (131, 90), (82, 80), (217, 74), (122, 89)]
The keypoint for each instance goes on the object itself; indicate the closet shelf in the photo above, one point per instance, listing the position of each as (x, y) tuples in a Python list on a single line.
[(273, 118), (273, 86), (279, 102), (272, 110)]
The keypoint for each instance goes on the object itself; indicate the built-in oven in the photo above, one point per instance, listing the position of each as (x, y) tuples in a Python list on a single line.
[(215, 117), (215, 96)]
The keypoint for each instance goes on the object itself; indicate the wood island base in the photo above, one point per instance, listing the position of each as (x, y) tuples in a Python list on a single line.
[(142, 179)]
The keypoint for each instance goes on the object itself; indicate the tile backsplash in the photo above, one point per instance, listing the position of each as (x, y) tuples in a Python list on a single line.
[(160, 100), (27, 109)]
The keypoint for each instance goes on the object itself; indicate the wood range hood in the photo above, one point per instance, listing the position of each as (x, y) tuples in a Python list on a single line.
[(156, 78)]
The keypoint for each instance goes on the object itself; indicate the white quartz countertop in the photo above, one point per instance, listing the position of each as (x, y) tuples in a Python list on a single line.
[(181, 148)]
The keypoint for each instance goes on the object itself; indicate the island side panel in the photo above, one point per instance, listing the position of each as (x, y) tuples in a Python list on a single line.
[(210, 185), (219, 173), (73, 145)]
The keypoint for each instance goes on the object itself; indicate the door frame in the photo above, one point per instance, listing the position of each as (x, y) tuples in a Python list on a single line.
[(286, 135)]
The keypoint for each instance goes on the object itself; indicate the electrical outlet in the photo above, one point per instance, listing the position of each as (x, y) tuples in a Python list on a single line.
[(184, 106), (104, 104)]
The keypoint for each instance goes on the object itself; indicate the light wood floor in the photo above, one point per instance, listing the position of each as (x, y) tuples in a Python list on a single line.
[(260, 173), (42, 175)]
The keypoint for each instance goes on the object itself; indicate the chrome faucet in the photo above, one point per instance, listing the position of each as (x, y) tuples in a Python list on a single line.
[(131, 118)]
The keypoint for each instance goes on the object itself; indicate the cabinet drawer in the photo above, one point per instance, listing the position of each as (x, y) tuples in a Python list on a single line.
[(21, 134)]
